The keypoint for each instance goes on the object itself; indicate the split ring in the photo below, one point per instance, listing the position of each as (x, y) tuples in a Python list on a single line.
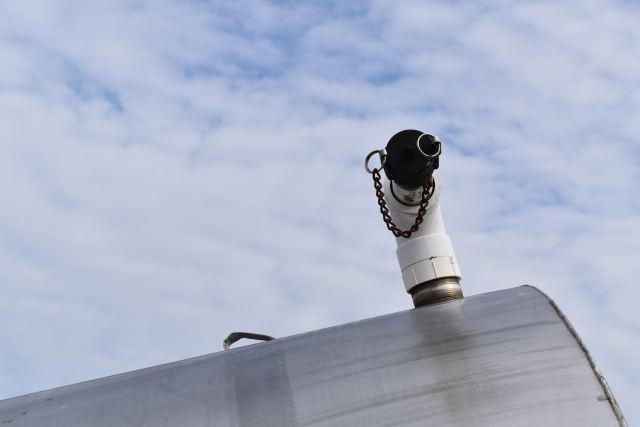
[(383, 160), (429, 156)]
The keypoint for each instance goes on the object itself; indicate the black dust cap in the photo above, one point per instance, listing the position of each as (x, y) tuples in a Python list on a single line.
[(405, 164)]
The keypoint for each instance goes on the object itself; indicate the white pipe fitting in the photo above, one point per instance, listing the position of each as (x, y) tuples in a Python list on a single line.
[(428, 254)]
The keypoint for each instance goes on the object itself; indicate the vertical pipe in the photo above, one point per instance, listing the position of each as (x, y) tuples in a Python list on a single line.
[(430, 271)]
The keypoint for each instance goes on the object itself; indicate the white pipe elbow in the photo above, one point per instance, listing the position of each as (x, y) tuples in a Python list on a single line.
[(428, 254)]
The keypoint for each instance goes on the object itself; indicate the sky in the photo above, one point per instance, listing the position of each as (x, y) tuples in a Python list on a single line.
[(172, 171)]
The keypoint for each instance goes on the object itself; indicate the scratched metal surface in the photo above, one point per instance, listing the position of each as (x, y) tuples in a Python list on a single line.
[(502, 359)]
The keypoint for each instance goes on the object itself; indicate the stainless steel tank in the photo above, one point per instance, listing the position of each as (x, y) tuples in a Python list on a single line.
[(505, 358)]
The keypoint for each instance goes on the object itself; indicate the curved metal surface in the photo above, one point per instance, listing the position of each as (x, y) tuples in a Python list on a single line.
[(603, 382), (505, 358)]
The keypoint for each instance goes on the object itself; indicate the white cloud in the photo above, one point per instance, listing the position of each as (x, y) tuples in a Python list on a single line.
[(173, 171)]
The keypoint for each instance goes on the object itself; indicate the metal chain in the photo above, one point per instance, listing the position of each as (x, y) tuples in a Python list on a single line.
[(428, 187)]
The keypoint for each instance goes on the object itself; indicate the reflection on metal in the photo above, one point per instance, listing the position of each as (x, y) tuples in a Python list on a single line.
[(236, 336), (501, 359)]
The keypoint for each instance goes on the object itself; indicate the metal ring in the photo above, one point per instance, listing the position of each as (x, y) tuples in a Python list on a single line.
[(429, 156), (383, 160)]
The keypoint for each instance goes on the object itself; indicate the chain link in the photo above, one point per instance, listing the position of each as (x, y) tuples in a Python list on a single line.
[(428, 187)]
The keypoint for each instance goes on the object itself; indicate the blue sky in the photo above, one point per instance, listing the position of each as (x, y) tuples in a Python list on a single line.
[(162, 161)]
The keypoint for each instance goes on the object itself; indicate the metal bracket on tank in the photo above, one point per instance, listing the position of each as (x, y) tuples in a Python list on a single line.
[(236, 336)]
